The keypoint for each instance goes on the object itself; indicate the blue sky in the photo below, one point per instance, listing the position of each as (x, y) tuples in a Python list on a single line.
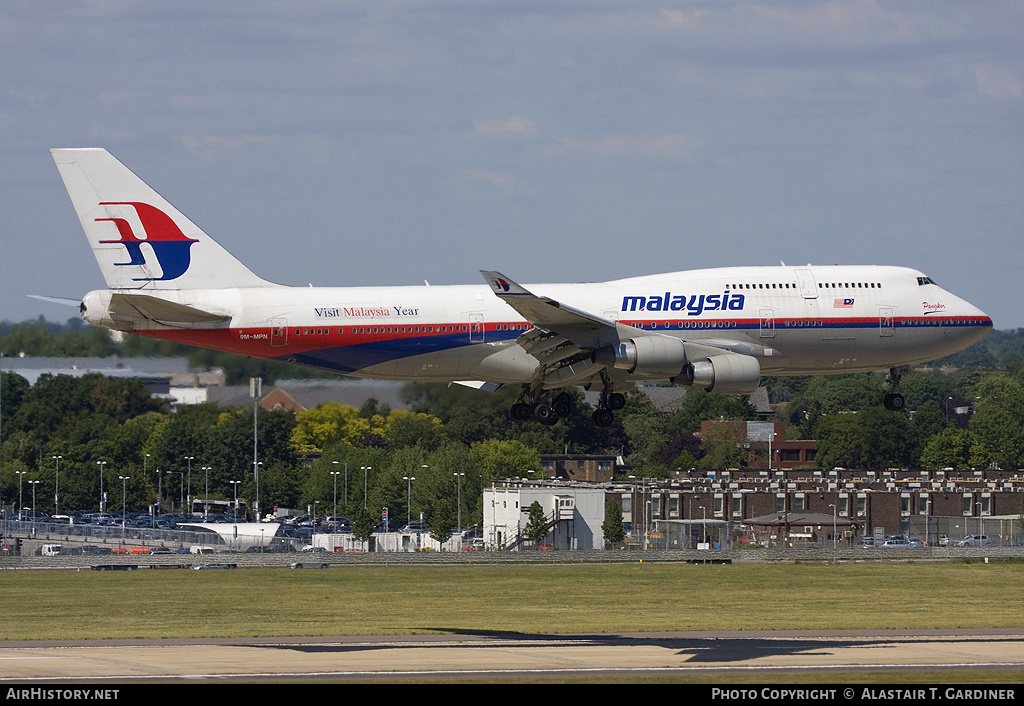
[(356, 143)]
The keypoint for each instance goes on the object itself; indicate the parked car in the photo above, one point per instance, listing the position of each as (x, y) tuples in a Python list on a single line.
[(902, 544), (975, 540), (943, 540)]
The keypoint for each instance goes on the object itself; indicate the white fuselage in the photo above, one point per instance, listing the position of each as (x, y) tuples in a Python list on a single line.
[(801, 320)]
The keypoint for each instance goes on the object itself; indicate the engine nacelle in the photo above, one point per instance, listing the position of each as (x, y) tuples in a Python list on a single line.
[(648, 356), (664, 357), (728, 374)]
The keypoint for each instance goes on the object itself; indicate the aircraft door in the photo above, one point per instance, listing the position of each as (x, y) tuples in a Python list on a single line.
[(476, 328), (808, 287), (767, 323), (885, 325), (278, 332)]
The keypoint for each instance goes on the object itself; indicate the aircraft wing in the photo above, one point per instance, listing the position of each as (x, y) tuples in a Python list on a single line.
[(574, 346), (543, 312), (564, 338)]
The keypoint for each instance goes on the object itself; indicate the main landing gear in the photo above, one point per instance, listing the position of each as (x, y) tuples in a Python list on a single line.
[(549, 408), (894, 401), (546, 410), (610, 402)]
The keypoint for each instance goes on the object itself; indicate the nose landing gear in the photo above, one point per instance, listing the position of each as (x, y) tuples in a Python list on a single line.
[(894, 401)]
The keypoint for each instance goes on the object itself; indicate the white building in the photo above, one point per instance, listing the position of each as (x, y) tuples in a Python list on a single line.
[(574, 515)]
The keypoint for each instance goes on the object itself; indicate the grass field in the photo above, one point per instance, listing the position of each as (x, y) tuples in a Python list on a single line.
[(42, 605)]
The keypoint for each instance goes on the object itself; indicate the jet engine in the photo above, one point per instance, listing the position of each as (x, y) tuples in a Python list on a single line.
[(728, 374), (654, 357)]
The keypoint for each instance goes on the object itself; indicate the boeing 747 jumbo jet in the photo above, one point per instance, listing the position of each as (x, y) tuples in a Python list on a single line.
[(717, 329)]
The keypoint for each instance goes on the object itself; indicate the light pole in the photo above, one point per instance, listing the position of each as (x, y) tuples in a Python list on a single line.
[(234, 484), (365, 470), (833, 526), (189, 495), (335, 475), (56, 482), (21, 503), (408, 512), (124, 505), (33, 483), (206, 500), (101, 464), (458, 496)]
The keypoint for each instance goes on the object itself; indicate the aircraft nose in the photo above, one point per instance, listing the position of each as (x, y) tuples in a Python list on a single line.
[(967, 323)]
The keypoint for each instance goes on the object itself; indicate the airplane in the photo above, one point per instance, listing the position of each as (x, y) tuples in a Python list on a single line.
[(718, 329)]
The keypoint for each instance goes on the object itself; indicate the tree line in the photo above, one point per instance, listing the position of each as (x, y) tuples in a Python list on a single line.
[(433, 460)]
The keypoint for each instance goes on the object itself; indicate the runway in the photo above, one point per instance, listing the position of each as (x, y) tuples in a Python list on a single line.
[(482, 657)]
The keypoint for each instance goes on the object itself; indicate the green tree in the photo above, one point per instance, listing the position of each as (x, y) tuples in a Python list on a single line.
[(362, 525), (441, 519), (950, 448), (612, 527), (997, 422), (536, 524)]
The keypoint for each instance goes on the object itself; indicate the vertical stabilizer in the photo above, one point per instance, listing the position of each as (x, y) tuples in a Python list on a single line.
[(139, 239)]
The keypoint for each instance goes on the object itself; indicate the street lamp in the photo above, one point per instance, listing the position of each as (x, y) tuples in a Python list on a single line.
[(335, 479), (189, 495), (124, 506), (101, 464), (56, 482), (235, 483), (206, 500), (458, 512), (33, 483), (833, 525), (21, 503), (408, 512)]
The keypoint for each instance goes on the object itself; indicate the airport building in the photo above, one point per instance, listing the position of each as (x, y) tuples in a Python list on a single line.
[(573, 514)]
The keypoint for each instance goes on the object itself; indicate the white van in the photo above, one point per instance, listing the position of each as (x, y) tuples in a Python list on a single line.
[(198, 549), (51, 550)]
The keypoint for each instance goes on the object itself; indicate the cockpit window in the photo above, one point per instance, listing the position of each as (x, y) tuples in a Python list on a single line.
[(921, 281)]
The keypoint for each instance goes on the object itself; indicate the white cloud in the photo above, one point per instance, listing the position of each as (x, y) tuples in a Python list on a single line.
[(501, 180), (516, 126), (675, 147), (994, 82)]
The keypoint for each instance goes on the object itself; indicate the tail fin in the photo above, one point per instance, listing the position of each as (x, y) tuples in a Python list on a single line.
[(139, 239)]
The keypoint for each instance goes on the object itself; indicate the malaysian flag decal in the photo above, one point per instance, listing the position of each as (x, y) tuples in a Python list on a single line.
[(842, 303)]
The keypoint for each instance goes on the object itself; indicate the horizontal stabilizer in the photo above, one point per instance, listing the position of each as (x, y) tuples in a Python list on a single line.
[(56, 300), (161, 311)]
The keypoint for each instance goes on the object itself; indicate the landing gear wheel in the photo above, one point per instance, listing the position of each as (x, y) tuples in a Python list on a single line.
[(562, 406), (616, 401), (544, 414), (602, 418), (521, 412), (894, 402)]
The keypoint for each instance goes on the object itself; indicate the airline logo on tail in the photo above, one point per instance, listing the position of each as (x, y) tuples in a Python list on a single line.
[(169, 244)]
